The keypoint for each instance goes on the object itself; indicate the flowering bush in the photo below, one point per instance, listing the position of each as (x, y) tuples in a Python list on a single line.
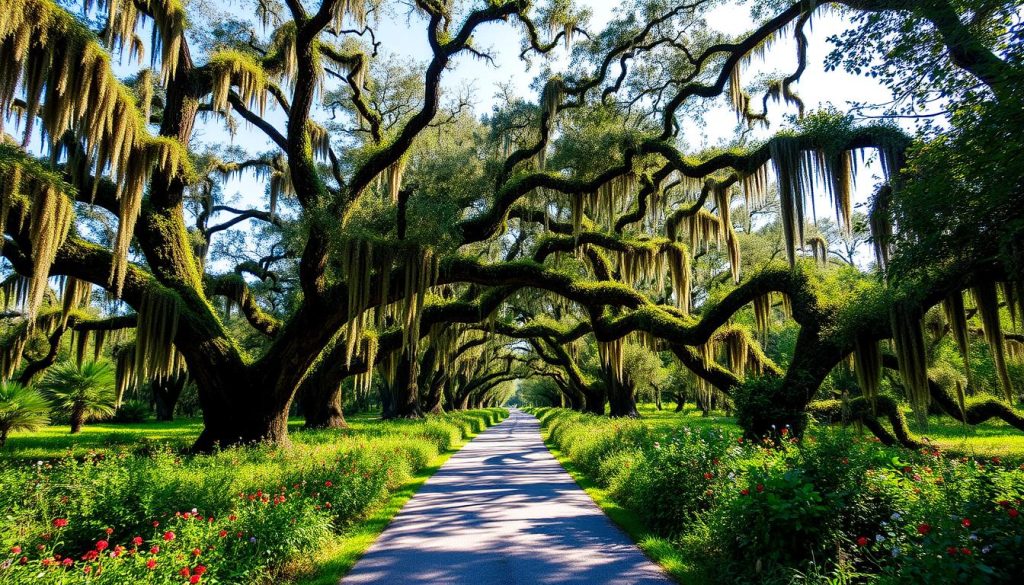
[(833, 505), (686, 464), (237, 516)]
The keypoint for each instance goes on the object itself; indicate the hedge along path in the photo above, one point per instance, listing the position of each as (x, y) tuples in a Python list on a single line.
[(502, 510)]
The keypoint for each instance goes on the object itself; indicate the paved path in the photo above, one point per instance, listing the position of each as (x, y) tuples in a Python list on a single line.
[(503, 511)]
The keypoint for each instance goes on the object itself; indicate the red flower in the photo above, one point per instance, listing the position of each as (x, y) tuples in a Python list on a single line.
[(760, 487), (68, 562), (199, 570), (1004, 503), (708, 475), (951, 550), (966, 551), (15, 550), (23, 561), (862, 541), (155, 524), (151, 564), (137, 540), (740, 440), (87, 570), (109, 531), (222, 533), (744, 492), (1012, 512), (784, 431), (168, 535), (102, 545), (194, 579), (154, 549), (188, 515), (966, 522), (60, 522), (328, 483), (185, 572), (232, 518), (196, 552), (924, 528)]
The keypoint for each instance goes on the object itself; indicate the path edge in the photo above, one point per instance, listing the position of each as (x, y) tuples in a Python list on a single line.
[(660, 551), (338, 557)]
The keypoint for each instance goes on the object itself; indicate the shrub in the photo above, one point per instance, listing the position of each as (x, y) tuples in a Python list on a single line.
[(132, 411), (21, 409), (675, 480), (247, 510)]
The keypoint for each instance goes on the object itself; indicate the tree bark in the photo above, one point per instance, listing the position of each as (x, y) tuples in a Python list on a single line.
[(320, 398), (165, 396), (406, 391), (621, 399), (77, 418)]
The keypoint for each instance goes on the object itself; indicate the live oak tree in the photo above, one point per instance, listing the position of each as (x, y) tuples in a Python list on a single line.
[(394, 220)]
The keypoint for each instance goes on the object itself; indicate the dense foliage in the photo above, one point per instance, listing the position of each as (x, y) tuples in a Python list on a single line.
[(834, 506), (243, 515)]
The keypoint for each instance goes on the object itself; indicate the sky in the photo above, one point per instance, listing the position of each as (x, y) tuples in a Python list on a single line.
[(403, 34)]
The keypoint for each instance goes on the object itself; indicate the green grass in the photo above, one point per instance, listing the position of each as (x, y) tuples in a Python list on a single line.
[(993, 438), (55, 440)]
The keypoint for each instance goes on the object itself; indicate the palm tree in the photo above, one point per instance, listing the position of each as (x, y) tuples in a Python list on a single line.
[(83, 391), (21, 409)]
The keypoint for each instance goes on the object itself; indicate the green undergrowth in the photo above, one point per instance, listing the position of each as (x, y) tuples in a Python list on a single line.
[(245, 515), (833, 507)]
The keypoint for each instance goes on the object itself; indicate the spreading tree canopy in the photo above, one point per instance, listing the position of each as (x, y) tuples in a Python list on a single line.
[(398, 232)]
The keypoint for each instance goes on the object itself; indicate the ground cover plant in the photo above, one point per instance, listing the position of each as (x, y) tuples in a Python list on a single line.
[(833, 506), (125, 512)]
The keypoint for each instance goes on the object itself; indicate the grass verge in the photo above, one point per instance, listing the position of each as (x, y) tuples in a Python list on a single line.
[(660, 550), (337, 557)]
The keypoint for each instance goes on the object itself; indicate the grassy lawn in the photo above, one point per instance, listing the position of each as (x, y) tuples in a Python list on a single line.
[(993, 438)]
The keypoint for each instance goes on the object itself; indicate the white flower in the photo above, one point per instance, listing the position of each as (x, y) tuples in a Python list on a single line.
[(879, 538), (895, 516), (985, 549), (973, 536), (896, 551)]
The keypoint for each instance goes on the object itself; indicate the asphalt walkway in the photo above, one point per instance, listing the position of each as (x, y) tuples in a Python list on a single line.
[(503, 511)]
